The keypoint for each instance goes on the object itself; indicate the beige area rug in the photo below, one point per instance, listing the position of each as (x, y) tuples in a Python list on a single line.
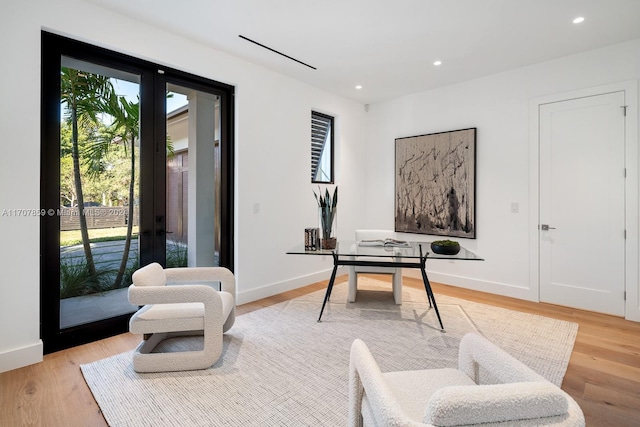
[(279, 367)]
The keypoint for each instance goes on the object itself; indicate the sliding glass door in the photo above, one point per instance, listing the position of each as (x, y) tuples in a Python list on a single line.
[(118, 189)]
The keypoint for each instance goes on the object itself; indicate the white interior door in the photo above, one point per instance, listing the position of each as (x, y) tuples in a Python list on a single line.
[(582, 202)]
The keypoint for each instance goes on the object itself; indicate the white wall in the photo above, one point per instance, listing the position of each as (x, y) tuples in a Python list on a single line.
[(498, 106), (272, 157)]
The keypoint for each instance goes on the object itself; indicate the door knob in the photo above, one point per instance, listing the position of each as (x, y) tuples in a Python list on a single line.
[(545, 227)]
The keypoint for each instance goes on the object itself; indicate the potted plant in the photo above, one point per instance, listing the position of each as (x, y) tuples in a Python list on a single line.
[(445, 247), (327, 208)]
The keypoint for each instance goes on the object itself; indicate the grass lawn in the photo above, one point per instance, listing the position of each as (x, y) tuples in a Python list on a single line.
[(72, 237)]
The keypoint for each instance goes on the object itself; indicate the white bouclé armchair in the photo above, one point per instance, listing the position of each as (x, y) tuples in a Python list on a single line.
[(180, 302), (515, 396)]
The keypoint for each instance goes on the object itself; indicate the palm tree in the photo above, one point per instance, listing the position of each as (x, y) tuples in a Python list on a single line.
[(125, 128), (82, 94)]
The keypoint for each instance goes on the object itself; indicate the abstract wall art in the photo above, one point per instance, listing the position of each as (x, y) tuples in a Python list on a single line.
[(435, 184)]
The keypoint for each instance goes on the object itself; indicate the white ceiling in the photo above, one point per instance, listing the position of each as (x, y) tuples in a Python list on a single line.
[(387, 46)]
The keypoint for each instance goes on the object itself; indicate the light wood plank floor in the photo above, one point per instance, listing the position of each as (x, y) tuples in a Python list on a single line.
[(603, 374)]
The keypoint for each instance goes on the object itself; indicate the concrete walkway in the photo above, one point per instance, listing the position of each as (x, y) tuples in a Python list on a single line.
[(90, 308), (103, 305), (105, 254)]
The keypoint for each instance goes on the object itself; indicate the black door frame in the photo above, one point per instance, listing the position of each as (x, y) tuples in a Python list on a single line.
[(153, 85)]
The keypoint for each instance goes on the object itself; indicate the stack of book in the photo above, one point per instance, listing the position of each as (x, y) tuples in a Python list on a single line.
[(311, 239)]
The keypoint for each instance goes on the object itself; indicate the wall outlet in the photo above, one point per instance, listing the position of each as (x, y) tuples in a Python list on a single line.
[(515, 207)]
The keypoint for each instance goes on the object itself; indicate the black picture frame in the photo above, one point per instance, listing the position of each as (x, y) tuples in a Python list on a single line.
[(435, 183)]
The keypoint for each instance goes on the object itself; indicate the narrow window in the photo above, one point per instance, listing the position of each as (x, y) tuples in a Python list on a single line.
[(321, 148)]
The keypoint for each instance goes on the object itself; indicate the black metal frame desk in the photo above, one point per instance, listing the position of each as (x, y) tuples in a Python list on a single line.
[(415, 255)]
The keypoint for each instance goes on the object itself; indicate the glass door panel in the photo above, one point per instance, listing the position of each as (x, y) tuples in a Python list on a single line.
[(99, 191), (111, 156), (193, 177)]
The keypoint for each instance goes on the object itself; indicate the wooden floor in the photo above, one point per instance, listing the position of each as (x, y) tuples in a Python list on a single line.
[(603, 374)]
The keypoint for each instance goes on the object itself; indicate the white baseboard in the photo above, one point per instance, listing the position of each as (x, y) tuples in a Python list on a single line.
[(19, 357), (504, 289), (278, 288)]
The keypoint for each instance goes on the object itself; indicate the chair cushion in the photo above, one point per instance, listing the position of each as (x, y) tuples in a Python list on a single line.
[(413, 389), (495, 403), (149, 275), (175, 317), (172, 311)]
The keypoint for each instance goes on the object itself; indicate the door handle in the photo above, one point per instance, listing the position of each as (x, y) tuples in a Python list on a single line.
[(545, 227)]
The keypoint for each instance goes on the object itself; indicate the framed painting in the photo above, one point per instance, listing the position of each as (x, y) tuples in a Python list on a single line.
[(436, 184)]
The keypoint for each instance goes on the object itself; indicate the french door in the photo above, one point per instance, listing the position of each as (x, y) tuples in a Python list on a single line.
[(136, 164)]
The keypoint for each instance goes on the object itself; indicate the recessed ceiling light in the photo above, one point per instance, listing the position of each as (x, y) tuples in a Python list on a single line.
[(578, 20), (358, 87), (436, 63)]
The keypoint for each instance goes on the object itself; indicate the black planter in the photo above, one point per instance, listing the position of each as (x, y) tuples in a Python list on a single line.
[(445, 249)]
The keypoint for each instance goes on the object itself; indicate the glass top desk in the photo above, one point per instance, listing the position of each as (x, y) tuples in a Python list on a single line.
[(414, 255)]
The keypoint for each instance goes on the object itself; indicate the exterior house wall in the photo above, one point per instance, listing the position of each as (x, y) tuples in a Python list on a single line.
[(177, 196)]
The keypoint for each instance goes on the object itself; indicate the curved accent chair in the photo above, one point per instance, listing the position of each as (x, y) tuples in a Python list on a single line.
[(515, 396), (180, 302), (396, 273)]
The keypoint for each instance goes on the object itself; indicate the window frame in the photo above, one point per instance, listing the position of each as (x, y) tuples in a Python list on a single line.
[(331, 137)]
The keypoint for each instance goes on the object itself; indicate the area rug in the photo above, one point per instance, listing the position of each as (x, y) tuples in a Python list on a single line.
[(279, 367)]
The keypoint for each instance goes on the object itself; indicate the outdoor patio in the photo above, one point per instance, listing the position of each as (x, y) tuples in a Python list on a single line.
[(85, 309), (89, 308)]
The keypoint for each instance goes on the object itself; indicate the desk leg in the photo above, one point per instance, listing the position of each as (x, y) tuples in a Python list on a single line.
[(430, 296), (330, 285)]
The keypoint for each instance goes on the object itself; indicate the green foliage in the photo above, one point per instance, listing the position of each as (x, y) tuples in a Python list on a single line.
[(327, 205), (446, 243), (128, 280), (104, 176), (75, 279), (78, 240), (177, 255), (82, 94), (326, 200)]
